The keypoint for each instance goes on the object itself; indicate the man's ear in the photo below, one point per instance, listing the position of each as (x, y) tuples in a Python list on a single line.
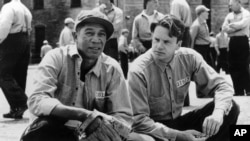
[(74, 35), (179, 43)]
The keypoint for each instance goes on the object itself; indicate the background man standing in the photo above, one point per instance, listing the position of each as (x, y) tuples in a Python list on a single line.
[(236, 24), (45, 48), (115, 16), (66, 36), (200, 33), (141, 34), (15, 21)]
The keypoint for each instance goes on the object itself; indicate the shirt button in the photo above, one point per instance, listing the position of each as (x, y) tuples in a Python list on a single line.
[(76, 88), (169, 77), (172, 101), (78, 73), (73, 103)]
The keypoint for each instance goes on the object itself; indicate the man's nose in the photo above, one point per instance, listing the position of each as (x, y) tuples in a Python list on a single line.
[(95, 39)]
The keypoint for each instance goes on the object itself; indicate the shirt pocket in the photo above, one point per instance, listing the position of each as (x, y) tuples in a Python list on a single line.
[(100, 104), (158, 107)]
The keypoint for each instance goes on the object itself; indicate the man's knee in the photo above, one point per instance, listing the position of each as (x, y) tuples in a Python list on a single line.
[(140, 137)]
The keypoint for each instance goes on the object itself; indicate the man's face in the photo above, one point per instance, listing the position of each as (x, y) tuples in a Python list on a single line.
[(234, 5), (71, 25), (205, 15), (163, 46), (90, 40), (153, 4)]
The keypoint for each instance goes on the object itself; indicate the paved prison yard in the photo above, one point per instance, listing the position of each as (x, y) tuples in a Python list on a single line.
[(11, 130)]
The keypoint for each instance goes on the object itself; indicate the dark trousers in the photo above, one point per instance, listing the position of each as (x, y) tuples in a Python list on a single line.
[(194, 120), (147, 44), (111, 48), (14, 60), (223, 60), (203, 50), (186, 39), (124, 63), (212, 57), (238, 64)]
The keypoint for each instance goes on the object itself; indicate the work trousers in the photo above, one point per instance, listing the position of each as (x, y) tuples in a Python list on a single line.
[(238, 64), (194, 120), (111, 48), (14, 60)]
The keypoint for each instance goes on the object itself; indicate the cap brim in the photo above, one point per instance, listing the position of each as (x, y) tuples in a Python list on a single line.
[(106, 24)]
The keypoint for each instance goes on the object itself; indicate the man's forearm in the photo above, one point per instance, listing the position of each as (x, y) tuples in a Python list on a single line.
[(70, 113)]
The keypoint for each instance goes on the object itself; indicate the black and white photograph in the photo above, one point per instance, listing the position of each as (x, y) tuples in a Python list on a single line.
[(124, 70)]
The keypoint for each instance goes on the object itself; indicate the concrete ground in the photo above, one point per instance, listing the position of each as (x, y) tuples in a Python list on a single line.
[(11, 130)]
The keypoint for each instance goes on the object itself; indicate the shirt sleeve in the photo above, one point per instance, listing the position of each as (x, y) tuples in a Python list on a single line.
[(6, 19), (244, 22), (119, 104), (142, 122), (210, 84), (193, 33), (118, 21), (42, 101)]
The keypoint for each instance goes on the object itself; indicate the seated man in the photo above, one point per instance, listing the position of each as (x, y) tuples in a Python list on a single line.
[(78, 82), (158, 84)]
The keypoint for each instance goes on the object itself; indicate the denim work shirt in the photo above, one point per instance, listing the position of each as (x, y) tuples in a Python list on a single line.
[(158, 91), (57, 80)]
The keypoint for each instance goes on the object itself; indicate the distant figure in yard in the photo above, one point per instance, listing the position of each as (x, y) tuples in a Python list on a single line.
[(66, 36), (45, 48)]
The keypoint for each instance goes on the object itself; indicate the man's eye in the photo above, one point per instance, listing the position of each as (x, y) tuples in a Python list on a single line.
[(102, 34), (89, 33), (157, 40)]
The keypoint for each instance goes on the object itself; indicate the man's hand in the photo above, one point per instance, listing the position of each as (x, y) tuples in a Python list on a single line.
[(212, 123), (104, 132), (190, 135)]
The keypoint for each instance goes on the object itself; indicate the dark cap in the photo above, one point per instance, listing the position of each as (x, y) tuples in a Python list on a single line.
[(200, 9), (96, 17)]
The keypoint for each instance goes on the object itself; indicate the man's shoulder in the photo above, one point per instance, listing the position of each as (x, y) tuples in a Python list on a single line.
[(117, 9), (142, 62), (186, 53)]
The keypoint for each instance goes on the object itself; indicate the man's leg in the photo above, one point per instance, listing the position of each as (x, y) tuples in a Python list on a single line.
[(194, 120), (140, 137), (13, 52)]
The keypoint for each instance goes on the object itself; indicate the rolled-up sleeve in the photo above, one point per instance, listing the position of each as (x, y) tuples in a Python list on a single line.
[(142, 122), (210, 84), (42, 101)]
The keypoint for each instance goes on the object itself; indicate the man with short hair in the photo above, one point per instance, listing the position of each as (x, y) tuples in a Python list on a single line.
[(181, 9), (200, 33), (158, 84), (66, 35), (236, 24), (15, 27), (141, 34), (75, 81), (115, 16)]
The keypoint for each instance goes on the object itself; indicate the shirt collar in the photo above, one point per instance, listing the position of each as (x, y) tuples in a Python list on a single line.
[(163, 65), (145, 15), (73, 52)]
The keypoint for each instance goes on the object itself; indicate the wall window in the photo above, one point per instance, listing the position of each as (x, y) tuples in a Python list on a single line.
[(38, 4), (76, 3)]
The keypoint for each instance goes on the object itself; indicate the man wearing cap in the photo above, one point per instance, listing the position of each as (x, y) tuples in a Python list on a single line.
[(236, 24), (200, 33), (79, 81), (158, 83), (45, 48), (15, 27), (66, 36)]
